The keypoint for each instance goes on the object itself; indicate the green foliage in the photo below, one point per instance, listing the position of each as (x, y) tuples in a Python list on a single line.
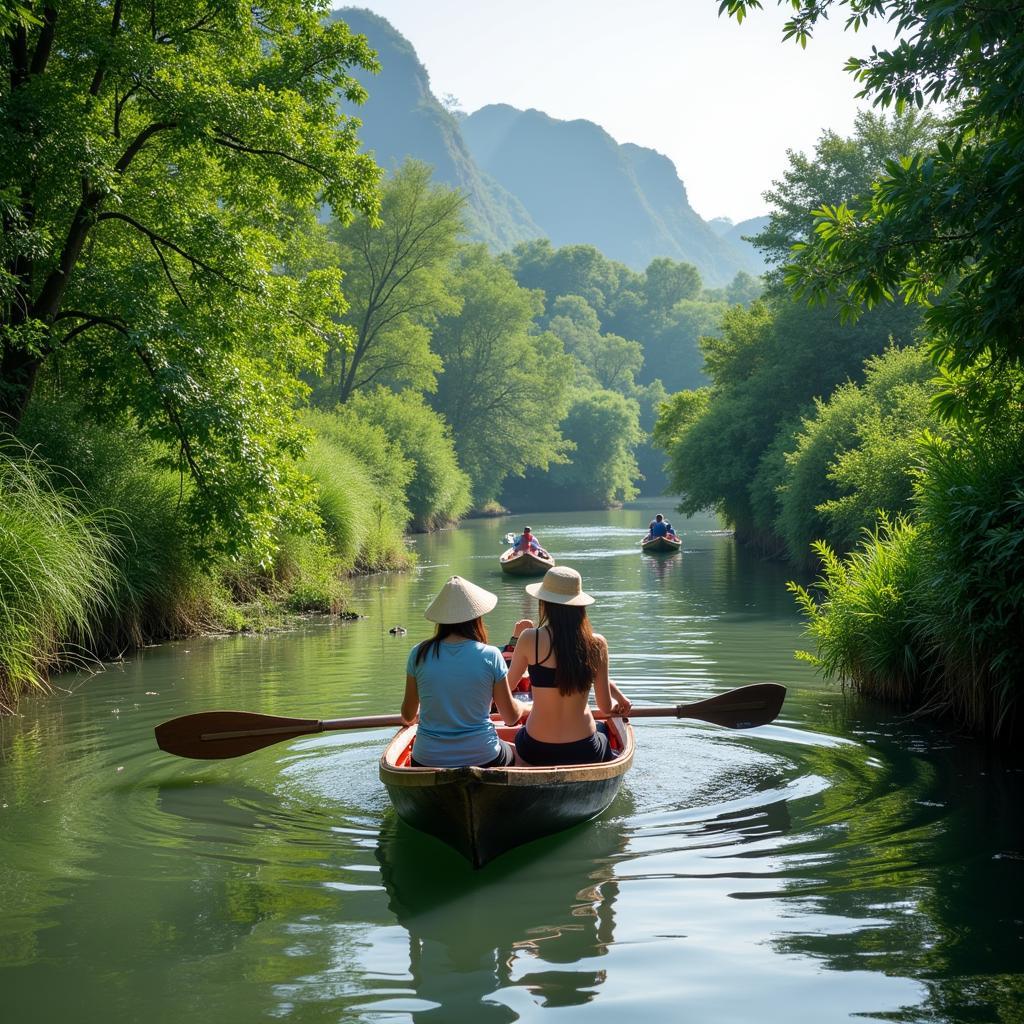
[(115, 477), (677, 413), (570, 270), (742, 290), (391, 471), (930, 611), (363, 528), (504, 387), (970, 497), (768, 366), (855, 456), (604, 427), (667, 282), (635, 334), (56, 574), (863, 624), (840, 169), (397, 284), (157, 168), (605, 360), (942, 226), (439, 491)]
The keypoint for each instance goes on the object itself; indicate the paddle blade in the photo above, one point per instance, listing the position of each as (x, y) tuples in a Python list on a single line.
[(209, 735), (743, 708)]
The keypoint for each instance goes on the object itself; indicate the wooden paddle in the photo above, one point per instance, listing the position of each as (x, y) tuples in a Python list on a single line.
[(216, 734)]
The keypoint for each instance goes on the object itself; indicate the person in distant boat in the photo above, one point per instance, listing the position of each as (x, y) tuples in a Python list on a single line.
[(528, 542), (659, 527), (565, 658), (656, 528), (451, 680)]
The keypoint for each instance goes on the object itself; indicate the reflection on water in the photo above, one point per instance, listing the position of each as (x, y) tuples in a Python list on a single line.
[(472, 933), (841, 863)]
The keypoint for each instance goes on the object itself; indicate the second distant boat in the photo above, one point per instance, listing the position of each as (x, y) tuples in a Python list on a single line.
[(525, 563), (664, 545)]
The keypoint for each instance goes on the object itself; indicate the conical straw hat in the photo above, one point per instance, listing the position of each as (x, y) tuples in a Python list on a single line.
[(561, 585), (460, 601)]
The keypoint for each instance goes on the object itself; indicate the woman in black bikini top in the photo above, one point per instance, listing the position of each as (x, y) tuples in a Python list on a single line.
[(568, 659)]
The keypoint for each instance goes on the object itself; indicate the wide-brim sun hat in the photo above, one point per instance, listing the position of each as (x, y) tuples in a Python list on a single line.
[(561, 585), (460, 601)]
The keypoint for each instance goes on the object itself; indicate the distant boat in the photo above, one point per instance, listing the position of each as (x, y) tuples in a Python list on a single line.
[(664, 545), (482, 812), (525, 563)]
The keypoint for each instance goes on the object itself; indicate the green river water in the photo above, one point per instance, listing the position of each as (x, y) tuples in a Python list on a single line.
[(841, 864)]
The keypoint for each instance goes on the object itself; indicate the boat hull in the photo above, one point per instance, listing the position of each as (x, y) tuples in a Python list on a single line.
[(483, 812), (525, 564), (661, 545)]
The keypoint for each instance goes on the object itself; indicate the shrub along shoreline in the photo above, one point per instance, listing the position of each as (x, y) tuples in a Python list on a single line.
[(98, 555)]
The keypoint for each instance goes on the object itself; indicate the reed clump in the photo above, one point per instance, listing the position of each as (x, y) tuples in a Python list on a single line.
[(57, 575)]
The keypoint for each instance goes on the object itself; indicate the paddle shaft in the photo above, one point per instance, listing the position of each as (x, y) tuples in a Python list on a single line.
[(220, 734), (312, 726)]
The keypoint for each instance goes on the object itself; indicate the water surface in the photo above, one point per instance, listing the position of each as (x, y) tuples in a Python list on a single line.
[(842, 863)]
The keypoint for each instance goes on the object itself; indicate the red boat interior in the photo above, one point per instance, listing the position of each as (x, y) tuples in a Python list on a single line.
[(505, 732)]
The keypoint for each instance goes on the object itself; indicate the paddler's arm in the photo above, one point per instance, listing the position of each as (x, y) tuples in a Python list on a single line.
[(520, 657), (622, 702), (411, 701), (510, 709), (608, 696)]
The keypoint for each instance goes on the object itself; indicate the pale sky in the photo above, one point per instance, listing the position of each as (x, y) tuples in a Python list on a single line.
[(723, 101)]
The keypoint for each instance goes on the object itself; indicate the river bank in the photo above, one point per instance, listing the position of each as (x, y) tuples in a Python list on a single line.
[(849, 862)]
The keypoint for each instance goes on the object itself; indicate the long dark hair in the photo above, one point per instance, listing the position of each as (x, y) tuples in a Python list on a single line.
[(474, 629), (578, 653)]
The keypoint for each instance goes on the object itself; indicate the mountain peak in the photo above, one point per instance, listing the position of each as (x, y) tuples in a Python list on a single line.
[(527, 174)]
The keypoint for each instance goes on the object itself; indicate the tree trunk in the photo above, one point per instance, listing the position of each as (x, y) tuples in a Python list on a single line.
[(18, 373)]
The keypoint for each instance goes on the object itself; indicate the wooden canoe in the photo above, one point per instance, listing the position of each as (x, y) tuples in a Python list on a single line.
[(482, 812), (525, 563), (661, 544)]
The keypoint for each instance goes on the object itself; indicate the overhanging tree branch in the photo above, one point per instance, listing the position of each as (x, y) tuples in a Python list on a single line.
[(155, 238)]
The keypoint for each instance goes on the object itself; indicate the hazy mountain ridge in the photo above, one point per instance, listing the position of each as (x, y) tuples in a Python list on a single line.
[(528, 175), (402, 117)]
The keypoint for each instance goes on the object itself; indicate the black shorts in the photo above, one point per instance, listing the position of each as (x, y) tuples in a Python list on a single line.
[(589, 750), (506, 756)]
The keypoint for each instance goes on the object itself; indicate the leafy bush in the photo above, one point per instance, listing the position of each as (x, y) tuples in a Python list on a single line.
[(604, 427), (971, 496), (931, 612), (439, 492), (855, 456)]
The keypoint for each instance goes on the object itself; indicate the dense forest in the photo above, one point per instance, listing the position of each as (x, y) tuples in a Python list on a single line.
[(878, 432), (240, 359)]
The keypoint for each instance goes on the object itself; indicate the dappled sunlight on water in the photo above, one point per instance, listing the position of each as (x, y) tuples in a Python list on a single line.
[(839, 863)]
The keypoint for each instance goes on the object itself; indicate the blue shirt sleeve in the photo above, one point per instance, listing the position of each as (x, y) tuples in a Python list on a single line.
[(496, 663), (410, 663)]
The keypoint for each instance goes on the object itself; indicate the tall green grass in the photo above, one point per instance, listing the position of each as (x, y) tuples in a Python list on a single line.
[(863, 621), (364, 525), (112, 473), (57, 575)]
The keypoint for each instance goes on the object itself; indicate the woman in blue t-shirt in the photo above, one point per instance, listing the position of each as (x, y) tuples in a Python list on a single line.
[(450, 681)]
